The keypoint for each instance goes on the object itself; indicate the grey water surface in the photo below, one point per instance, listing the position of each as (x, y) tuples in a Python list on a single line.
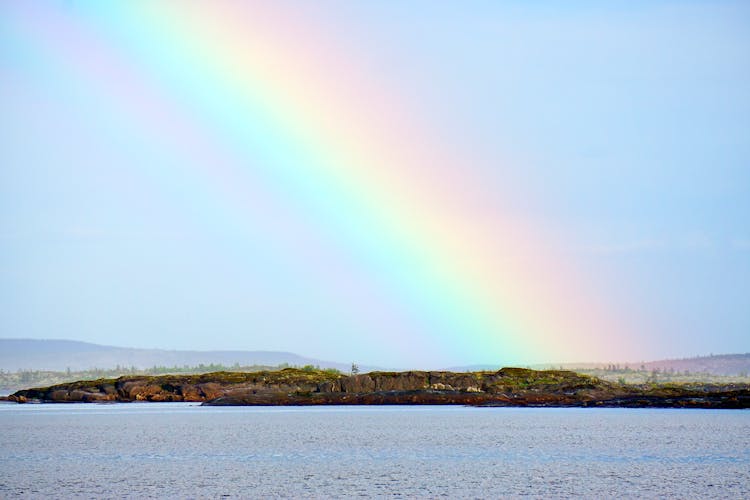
[(182, 450)]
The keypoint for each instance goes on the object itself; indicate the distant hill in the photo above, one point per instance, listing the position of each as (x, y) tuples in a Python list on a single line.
[(721, 364), (60, 355), (473, 368)]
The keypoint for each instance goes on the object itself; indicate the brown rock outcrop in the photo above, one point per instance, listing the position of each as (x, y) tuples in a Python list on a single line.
[(506, 387)]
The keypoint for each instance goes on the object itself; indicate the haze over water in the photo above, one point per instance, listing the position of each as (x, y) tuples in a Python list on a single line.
[(140, 450)]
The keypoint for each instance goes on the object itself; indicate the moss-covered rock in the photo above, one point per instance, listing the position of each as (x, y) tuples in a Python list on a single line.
[(506, 387)]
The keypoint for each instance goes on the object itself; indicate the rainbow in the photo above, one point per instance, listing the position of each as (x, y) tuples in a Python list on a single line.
[(272, 134)]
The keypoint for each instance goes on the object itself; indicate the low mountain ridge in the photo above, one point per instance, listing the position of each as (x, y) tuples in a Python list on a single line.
[(721, 364), (62, 355), (714, 364)]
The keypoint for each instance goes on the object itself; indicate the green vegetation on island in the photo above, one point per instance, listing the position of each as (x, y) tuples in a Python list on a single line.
[(312, 386), (11, 381)]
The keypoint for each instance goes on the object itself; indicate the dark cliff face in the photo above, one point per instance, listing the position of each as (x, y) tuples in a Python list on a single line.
[(198, 388), (506, 387)]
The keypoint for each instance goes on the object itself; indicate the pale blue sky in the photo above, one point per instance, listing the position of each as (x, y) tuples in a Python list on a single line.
[(630, 120)]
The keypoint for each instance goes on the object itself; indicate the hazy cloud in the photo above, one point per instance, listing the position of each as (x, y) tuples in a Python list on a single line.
[(637, 246), (741, 244), (696, 241)]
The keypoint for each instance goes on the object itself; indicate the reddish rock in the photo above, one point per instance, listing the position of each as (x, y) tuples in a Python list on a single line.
[(506, 387)]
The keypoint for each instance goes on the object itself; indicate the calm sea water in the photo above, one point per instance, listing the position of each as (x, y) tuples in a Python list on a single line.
[(186, 451)]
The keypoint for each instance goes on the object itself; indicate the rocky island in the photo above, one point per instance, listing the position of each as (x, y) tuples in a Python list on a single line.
[(296, 387)]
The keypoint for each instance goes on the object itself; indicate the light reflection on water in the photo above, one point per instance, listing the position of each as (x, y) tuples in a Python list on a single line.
[(184, 450)]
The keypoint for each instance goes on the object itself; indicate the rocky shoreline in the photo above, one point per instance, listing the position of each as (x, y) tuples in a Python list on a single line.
[(298, 387)]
